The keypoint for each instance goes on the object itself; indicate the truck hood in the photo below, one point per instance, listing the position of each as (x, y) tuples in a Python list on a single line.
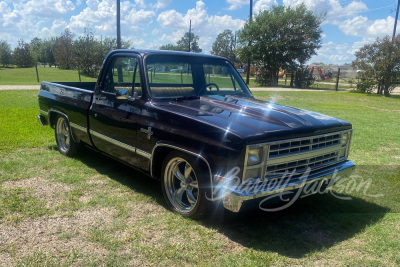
[(255, 120)]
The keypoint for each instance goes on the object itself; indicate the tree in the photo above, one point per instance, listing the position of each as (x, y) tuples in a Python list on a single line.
[(379, 65), (63, 51), (5, 53), (47, 51), (280, 38), (224, 45), (183, 44), (22, 55), (86, 51), (109, 44), (36, 46), (169, 47)]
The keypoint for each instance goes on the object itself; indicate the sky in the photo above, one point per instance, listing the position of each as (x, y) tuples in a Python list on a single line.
[(348, 24)]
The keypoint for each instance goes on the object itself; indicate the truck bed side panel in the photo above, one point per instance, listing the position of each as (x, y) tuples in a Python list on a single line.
[(70, 101)]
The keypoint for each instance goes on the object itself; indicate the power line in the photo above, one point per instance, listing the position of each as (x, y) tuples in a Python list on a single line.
[(342, 4), (365, 11)]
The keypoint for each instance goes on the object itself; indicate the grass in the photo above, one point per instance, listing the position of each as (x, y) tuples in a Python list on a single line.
[(90, 210), (27, 76)]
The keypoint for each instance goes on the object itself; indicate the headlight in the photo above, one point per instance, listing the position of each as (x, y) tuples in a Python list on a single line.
[(345, 139), (254, 156)]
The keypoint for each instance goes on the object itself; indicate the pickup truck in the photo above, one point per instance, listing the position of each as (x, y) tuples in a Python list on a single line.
[(190, 121)]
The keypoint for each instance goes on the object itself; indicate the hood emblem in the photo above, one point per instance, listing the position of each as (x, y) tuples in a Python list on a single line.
[(148, 132)]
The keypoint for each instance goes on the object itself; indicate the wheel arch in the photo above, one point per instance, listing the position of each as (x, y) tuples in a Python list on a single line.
[(162, 149), (54, 114)]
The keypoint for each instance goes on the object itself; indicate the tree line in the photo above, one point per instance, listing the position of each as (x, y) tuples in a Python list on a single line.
[(65, 51), (282, 38)]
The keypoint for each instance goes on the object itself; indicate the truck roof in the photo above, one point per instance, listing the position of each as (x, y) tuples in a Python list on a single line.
[(144, 52)]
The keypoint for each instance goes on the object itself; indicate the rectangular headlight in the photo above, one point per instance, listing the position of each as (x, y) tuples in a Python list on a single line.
[(345, 138), (254, 156)]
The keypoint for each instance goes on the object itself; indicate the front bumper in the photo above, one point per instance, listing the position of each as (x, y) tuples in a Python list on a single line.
[(233, 199)]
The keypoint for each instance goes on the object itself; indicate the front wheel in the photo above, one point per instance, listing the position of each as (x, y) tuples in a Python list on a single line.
[(184, 185), (66, 144)]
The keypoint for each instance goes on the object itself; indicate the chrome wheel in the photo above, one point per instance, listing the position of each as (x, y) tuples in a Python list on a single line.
[(63, 134), (181, 185)]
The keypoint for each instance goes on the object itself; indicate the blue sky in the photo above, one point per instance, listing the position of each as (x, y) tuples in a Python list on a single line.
[(348, 25)]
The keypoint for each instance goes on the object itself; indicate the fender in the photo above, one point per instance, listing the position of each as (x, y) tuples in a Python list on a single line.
[(187, 151)]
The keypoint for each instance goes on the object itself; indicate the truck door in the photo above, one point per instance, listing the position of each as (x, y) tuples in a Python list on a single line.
[(116, 108)]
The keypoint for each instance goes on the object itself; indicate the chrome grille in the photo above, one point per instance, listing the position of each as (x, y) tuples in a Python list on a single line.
[(297, 146), (300, 166), (296, 156)]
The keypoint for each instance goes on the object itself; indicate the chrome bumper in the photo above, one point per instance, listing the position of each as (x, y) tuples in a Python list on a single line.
[(233, 199)]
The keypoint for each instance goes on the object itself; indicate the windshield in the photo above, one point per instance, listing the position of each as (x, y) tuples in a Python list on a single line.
[(172, 76)]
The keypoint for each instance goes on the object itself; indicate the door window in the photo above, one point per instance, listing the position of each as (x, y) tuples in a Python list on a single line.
[(123, 78)]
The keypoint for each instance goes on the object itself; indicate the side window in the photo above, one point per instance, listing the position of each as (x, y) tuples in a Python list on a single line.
[(123, 78)]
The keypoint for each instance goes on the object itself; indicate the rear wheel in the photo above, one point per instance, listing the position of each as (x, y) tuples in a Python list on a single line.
[(184, 185), (66, 144)]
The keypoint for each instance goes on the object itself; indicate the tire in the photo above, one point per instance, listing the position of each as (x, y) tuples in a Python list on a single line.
[(185, 185), (65, 143)]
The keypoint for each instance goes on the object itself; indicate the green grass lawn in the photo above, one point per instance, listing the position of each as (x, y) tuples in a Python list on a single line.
[(91, 211), (27, 76)]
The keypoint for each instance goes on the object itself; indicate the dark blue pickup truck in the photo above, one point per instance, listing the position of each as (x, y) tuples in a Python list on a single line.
[(190, 121)]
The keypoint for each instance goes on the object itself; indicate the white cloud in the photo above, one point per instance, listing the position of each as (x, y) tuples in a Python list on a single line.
[(235, 4), (206, 26), (382, 27), (45, 8), (170, 19), (162, 4), (100, 15), (334, 53), (138, 17), (332, 8), (355, 26), (29, 19), (140, 3), (92, 4), (363, 27), (264, 5)]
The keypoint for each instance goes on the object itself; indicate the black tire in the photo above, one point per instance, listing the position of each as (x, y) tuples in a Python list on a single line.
[(185, 185), (65, 143)]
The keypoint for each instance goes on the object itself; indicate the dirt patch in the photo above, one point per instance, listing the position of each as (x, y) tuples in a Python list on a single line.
[(58, 235), (51, 193)]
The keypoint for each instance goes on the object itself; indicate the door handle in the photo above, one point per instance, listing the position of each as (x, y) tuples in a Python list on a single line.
[(101, 98)]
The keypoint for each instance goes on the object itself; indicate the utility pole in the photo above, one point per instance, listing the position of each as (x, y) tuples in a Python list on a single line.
[(249, 60), (190, 34), (395, 20), (118, 25)]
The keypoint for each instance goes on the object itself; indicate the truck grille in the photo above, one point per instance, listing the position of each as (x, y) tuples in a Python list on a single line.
[(309, 144), (295, 156), (301, 166)]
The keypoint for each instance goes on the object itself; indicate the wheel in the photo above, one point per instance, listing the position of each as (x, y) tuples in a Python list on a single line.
[(66, 144), (184, 185), (209, 85)]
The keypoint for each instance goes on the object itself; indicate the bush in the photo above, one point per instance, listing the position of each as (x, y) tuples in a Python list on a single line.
[(303, 78), (365, 86)]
